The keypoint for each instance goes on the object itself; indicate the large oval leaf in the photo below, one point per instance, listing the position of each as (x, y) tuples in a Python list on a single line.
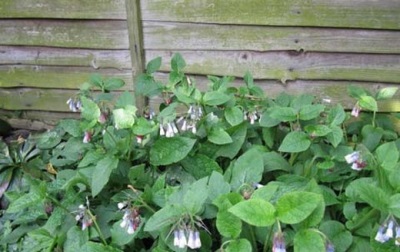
[(295, 141), (256, 212), (294, 207), (166, 151)]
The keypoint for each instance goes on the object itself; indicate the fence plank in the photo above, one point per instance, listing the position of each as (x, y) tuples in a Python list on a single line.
[(335, 91), (289, 66), (13, 55), (189, 36), (54, 77), (61, 33), (321, 13), (136, 44), (33, 119), (72, 9)]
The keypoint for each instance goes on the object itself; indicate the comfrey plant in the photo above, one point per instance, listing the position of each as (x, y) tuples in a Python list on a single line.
[(222, 169)]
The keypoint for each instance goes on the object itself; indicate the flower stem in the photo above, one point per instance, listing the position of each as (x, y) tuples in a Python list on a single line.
[(365, 219), (96, 226)]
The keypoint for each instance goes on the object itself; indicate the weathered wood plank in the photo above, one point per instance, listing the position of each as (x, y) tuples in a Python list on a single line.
[(55, 77), (72, 9), (35, 99), (335, 91), (65, 33), (321, 13), (136, 43), (289, 65), (32, 119), (13, 55), (189, 36)]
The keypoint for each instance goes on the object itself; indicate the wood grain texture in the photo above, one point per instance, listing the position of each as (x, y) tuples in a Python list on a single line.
[(335, 91), (47, 56), (71, 9), (65, 33), (37, 99), (33, 119), (286, 66), (55, 77), (136, 43), (190, 36), (322, 13)]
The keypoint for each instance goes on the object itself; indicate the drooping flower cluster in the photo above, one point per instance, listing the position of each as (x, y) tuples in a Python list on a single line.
[(251, 116), (278, 244), (388, 231), (74, 104), (131, 218), (87, 137), (186, 123), (356, 110), (355, 160), (84, 217), (189, 238)]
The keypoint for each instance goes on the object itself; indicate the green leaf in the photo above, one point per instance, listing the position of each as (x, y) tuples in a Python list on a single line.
[(387, 155), (75, 239), (219, 136), (248, 79), (102, 173), (147, 86), (98, 247), (267, 121), (368, 102), (308, 240), (200, 166), (143, 127), (309, 112), (36, 195), (164, 217), (266, 192), (283, 114), (124, 100), (228, 225), (217, 185), (371, 136), (166, 151), (238, 134), (153, 65), (274, 161), (295, 141), (89, 111), (295, 207), (96, 80), (215, 98), (49, 140), (301, 101), (356, 92), (386, 93), (234, 116), (365, 191), (120, 236), (124, 118), (394, 205), (336, 115), (242, 245), (337, 234), (195, 196), (256, 212), (317, 130), (177, 62), (336, 136), (5, 179), (71, 126), (113, 84), (248, 168)]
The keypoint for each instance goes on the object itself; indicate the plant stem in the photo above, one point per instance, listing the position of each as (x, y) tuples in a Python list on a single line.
[(252, 236), (96, 226), (267, 239), (373, 118), (365, 219)]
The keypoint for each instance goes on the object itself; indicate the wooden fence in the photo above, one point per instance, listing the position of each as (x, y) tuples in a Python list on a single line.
[(49, 47)]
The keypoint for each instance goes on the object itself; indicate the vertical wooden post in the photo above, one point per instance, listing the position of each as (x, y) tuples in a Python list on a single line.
[(134, 22)]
